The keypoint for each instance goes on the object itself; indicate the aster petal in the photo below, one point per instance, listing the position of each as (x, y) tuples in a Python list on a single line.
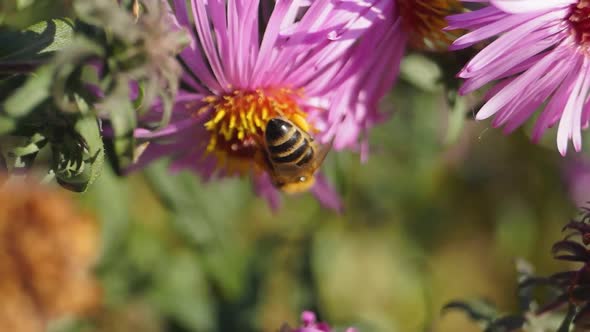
[(171, 129), (154, 151), (249, 61), (326, 194), (529, 102), (202, 24), (554, 109), (541, 59), (506, 43), (524, 6), (186, 105), (245, 36), (502, 66), (570, 124), (263, 187), (221, 16), (492, 29), (474, 19), (271, 34), (345, 34), (191, 55), (586, 115), (514, 88)]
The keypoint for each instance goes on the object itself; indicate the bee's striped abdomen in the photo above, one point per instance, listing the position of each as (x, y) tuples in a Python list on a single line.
[(287, 144)]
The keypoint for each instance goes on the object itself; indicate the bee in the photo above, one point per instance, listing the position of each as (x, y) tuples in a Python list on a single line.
[(292, 156)]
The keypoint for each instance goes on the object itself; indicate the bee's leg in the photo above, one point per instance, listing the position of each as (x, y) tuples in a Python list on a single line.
[(261, 159)]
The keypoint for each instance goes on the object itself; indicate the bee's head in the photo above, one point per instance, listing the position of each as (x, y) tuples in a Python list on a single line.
[(295, 185)]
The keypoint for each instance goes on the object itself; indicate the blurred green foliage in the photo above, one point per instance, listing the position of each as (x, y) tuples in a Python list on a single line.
[(427, 220), (439, 212)]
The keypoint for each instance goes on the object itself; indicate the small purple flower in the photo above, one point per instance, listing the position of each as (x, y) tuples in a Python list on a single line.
[(540, 59), (318, 64), (310, 324), (576, 175)]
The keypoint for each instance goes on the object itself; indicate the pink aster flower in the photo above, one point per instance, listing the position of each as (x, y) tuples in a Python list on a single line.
[(375, 62), (540, 58), (310, 324), (368, 73), (318, 64)]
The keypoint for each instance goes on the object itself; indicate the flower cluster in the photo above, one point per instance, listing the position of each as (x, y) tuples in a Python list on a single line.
[(322, 65), (309, 324), (302, 62)]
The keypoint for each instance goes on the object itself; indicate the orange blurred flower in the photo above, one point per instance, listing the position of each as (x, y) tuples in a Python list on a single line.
[(47, 249)]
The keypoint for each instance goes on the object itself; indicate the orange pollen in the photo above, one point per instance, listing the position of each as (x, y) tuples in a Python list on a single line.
[(423, 21), (239, 118)]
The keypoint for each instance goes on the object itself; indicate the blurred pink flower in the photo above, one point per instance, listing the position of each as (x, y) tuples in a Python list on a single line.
[(320, 64), (577, 178), (539, 58), (369, 73), (310, 324)]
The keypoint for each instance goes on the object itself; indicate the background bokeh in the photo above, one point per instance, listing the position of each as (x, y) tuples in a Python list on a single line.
[(440, 211)]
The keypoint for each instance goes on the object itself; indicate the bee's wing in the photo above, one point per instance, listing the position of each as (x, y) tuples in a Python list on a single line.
[(288, 169), (322, 151)]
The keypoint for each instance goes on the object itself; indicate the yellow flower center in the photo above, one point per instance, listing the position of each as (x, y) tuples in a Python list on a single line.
[(423, 21), (239, 119)]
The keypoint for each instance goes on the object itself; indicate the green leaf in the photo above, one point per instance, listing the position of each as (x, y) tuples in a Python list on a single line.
[(62, 30), (20, 14), (20, 152), (31, 94), (103, 13), (205, 220), (110, 198), (7, 125), (567, 324), (181, 291), (70, 69), (88, 128), (21, 4), (421, 72), (507, 324), (36, 41), (185, 193), (122, 116), (78, 161), (477, 310), (456, 121), (34, 144), (167, 97)]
